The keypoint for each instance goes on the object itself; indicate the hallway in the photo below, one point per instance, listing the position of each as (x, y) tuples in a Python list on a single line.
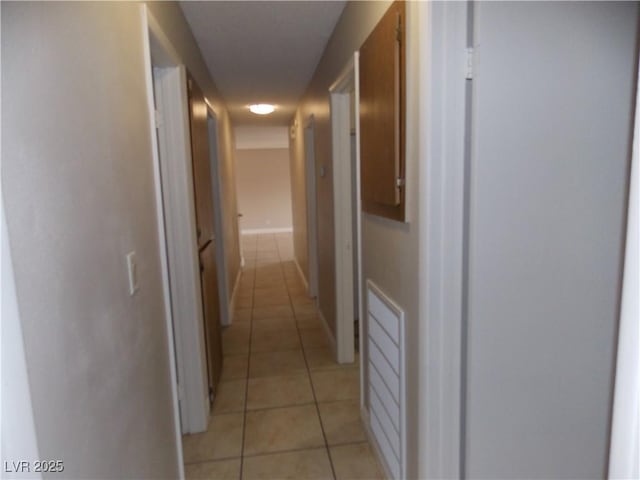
[(284, 409), (459, 178)]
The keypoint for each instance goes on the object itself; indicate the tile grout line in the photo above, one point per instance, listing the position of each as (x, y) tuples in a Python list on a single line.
[(304, 355), (277, 452), (246, 387), (289, 284)]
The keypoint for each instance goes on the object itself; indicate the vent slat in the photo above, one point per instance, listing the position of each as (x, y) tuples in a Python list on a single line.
[(386, 372)]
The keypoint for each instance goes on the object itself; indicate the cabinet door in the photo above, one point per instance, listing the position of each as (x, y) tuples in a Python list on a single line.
[(211, 310), (382, 110), (201, 163)]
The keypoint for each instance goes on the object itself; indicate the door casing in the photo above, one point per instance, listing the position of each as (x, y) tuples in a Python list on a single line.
[(167, 93), (312, 210), (340, 93)]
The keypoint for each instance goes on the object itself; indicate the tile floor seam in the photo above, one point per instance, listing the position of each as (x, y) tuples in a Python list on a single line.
[(281, 407), (246, 390), (293, 450), (258, 272), (329, 402), (221, 459), (277, 350), (313, 391)]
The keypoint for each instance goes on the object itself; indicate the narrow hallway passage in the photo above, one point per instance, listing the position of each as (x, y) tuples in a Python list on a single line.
[(285, 408)]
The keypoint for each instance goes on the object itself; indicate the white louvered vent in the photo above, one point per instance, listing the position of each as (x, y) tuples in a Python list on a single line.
[(387, 378)]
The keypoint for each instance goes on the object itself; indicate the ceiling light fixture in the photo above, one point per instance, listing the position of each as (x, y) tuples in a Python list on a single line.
[(262, 108)]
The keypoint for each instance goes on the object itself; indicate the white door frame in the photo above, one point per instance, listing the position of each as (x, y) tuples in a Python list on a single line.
[(312, 207), (340, 94), (17, 418), (173, 178), (442, 41), (216, 183), (624, 460)]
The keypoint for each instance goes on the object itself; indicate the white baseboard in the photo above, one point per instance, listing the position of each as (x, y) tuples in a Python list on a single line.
[(327, 330), (253, 231), (301, 273), (232, 303), (364, 416)]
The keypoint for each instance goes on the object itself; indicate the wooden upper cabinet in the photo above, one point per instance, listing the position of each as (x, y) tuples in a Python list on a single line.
[(382, 116), (201, 163)]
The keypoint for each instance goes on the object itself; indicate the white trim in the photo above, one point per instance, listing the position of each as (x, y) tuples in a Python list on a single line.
[(301, 273), (177, 229), (624, 461), (149, 27), (182, 241), (253, 231), (441, 31), (366, 423), (356, 69), (399, 314), (232, 303), (17, 422), (340, 93), (308, 138)]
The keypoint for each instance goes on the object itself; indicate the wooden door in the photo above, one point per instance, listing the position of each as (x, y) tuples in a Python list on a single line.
[(382, 110), (203, 191), (201, 163), (211, 310)]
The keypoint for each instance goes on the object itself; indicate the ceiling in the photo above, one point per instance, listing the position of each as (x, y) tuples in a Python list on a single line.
[(262, 51)]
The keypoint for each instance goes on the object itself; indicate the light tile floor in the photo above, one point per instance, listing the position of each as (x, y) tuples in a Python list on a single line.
[(285, 409)]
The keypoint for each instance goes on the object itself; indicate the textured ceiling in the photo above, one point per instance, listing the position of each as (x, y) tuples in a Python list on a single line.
[(263, 51)]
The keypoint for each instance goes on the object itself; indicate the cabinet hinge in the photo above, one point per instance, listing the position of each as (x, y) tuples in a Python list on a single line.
[(468, 67), (158, 118), (399, 182)]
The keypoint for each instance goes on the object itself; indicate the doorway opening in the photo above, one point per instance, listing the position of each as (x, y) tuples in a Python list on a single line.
[(189, 273), (345, 131), (312, 211)]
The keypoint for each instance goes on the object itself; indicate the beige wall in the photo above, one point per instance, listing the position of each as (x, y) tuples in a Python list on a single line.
[(389, 249), (78, 186), (264, 188), (298, 195), (172, 21), (352, 29)]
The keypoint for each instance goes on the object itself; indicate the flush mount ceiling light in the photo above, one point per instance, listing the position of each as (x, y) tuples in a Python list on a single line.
[(262, 108)]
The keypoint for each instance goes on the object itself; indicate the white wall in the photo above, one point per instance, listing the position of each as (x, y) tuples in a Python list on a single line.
[(78, 187), (252, 137), (264, 188), (16, 417), (552, 110)]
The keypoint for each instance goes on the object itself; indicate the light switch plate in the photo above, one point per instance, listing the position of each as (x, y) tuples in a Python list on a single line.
[(132, 268)]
